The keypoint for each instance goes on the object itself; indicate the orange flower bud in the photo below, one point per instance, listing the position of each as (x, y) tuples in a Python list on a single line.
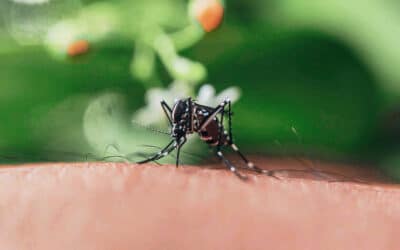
[(209, 13), (78, 48)]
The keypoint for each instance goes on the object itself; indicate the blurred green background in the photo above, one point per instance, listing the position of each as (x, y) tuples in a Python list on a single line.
[(318, 78)]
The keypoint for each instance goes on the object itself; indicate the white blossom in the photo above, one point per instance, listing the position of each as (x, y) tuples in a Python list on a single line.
[(207, 95), (152, 113)]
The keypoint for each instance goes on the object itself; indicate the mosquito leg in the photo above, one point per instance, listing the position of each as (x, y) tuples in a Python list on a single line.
[(216, 111), (167, 152), (164, 152), (190, 120), (179, 150), (177, 155), (167, 111), (220, 130), (165, 104), (230, 166), (250, 165), (219, 145), (230, 136)]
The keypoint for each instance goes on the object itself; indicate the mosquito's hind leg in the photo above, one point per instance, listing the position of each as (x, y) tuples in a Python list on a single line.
[(231, 167), (164, 152), (250, 165)]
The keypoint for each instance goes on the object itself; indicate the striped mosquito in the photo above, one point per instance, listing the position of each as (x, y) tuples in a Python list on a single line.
[(188, 117)]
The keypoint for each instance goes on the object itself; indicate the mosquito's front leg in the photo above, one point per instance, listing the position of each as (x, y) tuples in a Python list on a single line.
[(167, 111), (179, 150), (164, 152)]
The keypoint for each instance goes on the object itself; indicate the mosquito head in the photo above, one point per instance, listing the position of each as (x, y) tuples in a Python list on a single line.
[(178, 130)]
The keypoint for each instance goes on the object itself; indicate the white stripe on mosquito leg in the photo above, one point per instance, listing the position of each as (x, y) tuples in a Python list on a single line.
[(233, 169), (235, 147), (219, 154), (250, 164)]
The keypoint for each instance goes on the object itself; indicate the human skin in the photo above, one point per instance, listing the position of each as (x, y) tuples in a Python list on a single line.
[(127, 206)]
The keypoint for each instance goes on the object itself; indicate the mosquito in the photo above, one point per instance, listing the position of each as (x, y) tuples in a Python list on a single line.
[(187, 117)]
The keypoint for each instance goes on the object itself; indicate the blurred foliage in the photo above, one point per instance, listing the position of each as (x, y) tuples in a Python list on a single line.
[(325, 70)]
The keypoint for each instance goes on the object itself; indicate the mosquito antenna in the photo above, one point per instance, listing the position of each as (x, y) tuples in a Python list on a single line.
[(150, 128)]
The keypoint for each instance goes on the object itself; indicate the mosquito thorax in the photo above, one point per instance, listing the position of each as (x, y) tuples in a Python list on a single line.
[(180, 110)]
